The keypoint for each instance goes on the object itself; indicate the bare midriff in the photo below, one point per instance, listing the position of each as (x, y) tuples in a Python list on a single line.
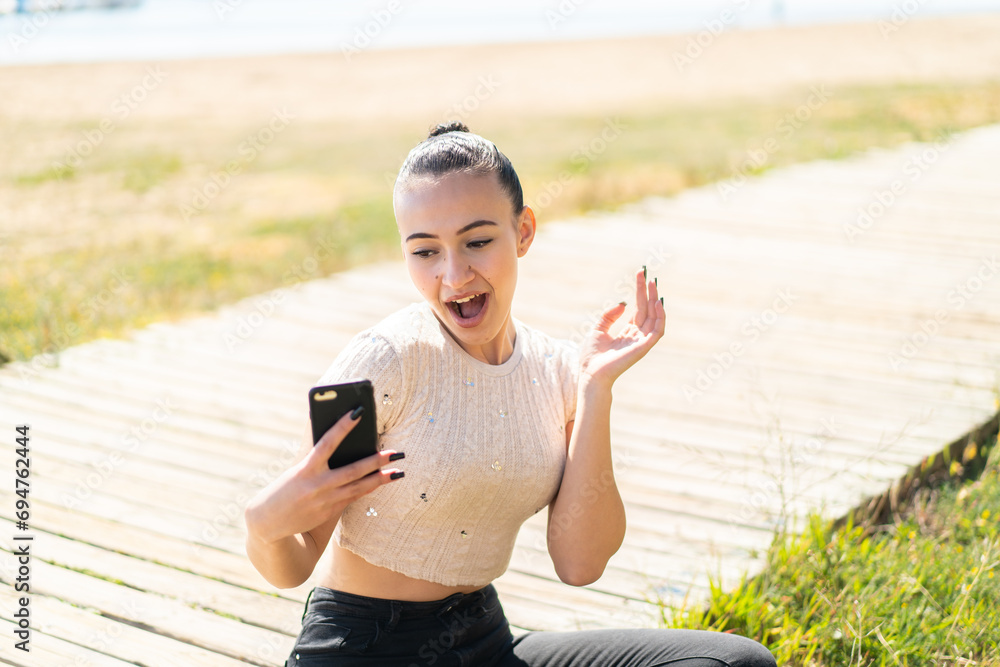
[(351, 573)]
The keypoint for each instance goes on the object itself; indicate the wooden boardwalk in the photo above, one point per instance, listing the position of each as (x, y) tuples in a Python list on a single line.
[(809, 360)]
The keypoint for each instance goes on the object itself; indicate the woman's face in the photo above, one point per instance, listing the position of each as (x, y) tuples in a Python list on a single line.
[(461, 241)]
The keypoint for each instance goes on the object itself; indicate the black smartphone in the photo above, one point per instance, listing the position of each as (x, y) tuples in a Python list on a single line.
[(329, 403)]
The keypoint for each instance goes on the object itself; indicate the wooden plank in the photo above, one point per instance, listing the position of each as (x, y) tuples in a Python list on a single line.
[(85, 630), (104, 503), (47, 650), (192, 632), (704, 481), (141, 541), (236, 602)]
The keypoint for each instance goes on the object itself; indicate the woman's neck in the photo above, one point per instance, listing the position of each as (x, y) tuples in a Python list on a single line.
[(495, 351)]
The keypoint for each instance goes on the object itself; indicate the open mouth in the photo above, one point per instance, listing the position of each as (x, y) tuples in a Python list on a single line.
[(469, 309)]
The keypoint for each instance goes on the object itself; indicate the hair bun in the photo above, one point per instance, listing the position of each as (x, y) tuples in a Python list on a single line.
[(452, 126)]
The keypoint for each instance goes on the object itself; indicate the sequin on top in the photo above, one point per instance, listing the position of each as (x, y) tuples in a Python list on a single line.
[(485, 445)]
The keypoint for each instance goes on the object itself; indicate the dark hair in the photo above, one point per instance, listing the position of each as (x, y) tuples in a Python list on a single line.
[(452, 147)]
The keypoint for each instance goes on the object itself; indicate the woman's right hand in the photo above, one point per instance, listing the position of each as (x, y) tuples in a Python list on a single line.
[(309, 494)]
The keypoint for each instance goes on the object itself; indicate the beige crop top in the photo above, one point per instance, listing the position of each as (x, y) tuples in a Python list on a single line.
[(485, 445)]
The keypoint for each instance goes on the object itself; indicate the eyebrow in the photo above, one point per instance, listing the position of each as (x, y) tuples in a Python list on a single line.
[(470, 226)]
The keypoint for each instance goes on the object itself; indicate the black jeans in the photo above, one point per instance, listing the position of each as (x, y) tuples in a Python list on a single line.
[(470, 630)]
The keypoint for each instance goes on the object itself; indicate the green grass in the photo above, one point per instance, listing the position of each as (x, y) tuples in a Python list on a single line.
[(50, 173), (921, 590), (337, 184), (143, 172), (98, 294)]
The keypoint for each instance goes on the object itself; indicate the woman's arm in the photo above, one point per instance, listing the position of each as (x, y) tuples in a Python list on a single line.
[(289, 522), (587, 518)]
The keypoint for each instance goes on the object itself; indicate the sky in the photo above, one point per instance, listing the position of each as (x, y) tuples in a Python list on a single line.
[(169, 29)]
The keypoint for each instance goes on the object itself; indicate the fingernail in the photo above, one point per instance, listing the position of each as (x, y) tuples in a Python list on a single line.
[(621, 303), (643, 271), (661, 300), (357, 412), (397, 456), (655, 282), (396, 475)]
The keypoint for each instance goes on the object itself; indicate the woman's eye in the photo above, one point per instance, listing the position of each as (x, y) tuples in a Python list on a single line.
[(479, 244), (423, 253)]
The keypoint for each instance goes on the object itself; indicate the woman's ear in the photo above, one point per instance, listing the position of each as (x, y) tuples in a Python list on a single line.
[(525, 230)]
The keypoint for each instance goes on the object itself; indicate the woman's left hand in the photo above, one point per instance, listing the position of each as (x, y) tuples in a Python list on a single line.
[(604, 357)]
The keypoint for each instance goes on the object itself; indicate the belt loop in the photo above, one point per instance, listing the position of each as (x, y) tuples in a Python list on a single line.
[(395, 607), (306, 607), (448, 604)]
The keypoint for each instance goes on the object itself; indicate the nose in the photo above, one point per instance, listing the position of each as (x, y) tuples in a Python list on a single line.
[(457, 272)]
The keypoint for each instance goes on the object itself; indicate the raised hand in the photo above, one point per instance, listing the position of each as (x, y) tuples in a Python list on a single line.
[(603, 357)]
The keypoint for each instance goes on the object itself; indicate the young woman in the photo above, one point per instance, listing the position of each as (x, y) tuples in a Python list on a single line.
[(498, 421)]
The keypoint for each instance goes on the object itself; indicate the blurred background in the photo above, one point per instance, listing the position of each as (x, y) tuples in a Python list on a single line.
[(200, 28), (190, 152), (162, 159)]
